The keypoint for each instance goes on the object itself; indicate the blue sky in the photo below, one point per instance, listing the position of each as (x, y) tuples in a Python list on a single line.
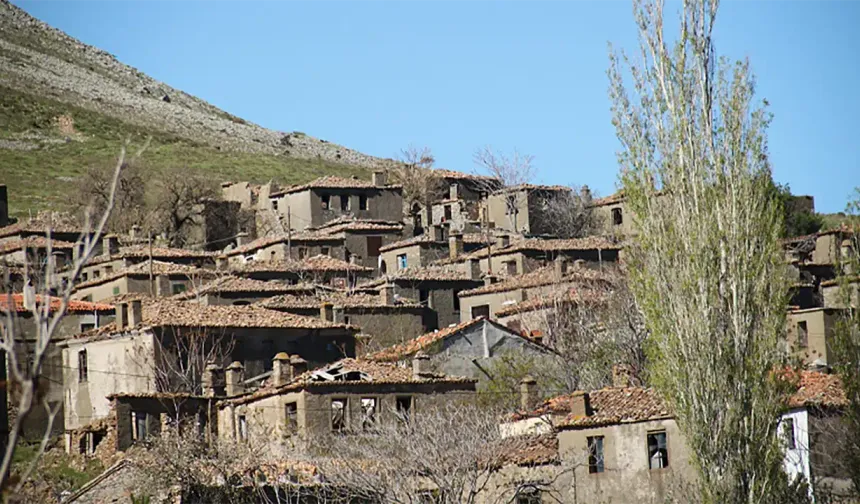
[(455, 76)]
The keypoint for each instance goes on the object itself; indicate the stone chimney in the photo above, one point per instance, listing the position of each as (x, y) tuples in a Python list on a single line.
[(421, 366), (281, 370), (560, 265), (454, 191), (235, 379), (438, 233), (135, 232), (213, 380), (29, 295), (528, 393), (297, 366), (474, 269), (585, 194), (121, 315), (110, 245), (135, 313), (489, 279), (503, 241), (241, 239), (455, 245), (327, 312), (386, 294), (580, 404), (380, 179)]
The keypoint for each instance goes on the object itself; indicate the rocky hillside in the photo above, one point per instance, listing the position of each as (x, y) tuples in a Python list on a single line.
[(64, 105)]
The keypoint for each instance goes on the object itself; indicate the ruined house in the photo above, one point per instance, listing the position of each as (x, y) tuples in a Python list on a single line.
[(157, 279), (458, 205), (363, 239), (238, 291), (810, 334), (522, 208), (537, 316), (320, 269), (341, 397), (423, 250), (160, 346), (328, 198), (287, 246), (113, 258)]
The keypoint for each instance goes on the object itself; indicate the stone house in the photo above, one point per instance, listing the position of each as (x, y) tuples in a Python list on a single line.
[(214, 224), (470, 349), (383, 318), (459, 208), (80, 316), (810, 334), (522, 208), (363, 239), (435, 288), (114, 258), (35, 253), (833, 297), (320, 269), (536, 317), (289, 246), (238, 291), (341, 397), (612, 215), (329, 198), (426, 249), (139, 352), (158, 279), (547, 282), (61, 227)]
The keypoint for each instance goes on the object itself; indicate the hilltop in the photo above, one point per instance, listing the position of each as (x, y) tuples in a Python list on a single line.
[(65, 105)]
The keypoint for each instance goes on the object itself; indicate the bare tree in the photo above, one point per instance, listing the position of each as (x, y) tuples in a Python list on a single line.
[(177, 195), (510, 169), (570, 213), (421, 186), (129, 203), (707, 269), (47, 309)]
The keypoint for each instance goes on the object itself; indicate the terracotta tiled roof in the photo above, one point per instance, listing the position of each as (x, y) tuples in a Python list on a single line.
[(407, 348), (142, 269), (301, 237), (533, 187), (40, 224), (332, 182), (315, 263), (373, 372), (540, 277), (548, 245), (426, 238), (609, 200), (34, 242), (353, 224), (818, 389), (531, 450), (451, 174), (336, 298), (427, 274), (571, 297), (73, 305), (239, 285), (158, 254)]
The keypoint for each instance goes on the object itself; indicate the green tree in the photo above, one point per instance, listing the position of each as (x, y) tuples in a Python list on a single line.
[(707, 267), (799, 219)]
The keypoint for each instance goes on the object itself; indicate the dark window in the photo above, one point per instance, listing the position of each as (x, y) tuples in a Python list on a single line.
[(368, 413), (448, 212), (95, 438), (326, 200), (108, 270), (140, 427), (338, 415), (292, 417), (658, 453), (511, 204), (481, 311), (82, 445), (84, 277), (401, 261), (87, 327), (97, 273), (424, 297), (303, 252), (178, 288), (383, 267), (802, 334), (456, 295), (274, 204), (83, 372), (344, 203), (88, 297), (617, 217), (346, 319), (529, 496), (373, 245), (595, 454), (243, 428), (511, 267), (788, 432), (324, 250), (403, 406), (362, 202)]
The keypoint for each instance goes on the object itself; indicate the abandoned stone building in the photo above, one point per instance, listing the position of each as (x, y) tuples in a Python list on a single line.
[(362, 238), (157, 279), (287, 246), (383, 318), (328, 198), (522, 208), (80, 316), (473, 349), (113, 257), (349, 395), (612, 215), (58, 226), (538, 317), (319, 269), (36, 252), (238, 291), (139, 352), (459, 197), (426, 249)]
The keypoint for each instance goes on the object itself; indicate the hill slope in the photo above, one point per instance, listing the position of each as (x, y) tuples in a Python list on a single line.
[(65, 105)]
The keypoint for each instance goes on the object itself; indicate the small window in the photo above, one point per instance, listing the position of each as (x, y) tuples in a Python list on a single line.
[(108, 270), (82, 445), (511, 267), (140, 429), (274, 204), (326, 200), (595, 454), (511, 204), (401, 261), (448, 212), (368, 413), (338, 415), (88, 298), (788, 433), (83, 371), (456, 295), (346, 319), (96, 273), (243, 428), (658, 453), (324, 251), (292, 417), (303, 252), (481, 311), (403, 406), (362, 202), (177, 288), (344, 203), (87, 327), (84, 276), (802, 334), (529, 496), (424, 297), (617, 217)]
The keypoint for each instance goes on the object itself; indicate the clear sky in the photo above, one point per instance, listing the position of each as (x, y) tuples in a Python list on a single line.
[(455, 76)]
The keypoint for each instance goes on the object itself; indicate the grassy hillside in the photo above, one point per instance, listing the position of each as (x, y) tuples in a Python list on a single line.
[(45, 145)]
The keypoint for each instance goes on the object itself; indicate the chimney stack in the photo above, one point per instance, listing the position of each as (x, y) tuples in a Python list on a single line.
[(421, 366), (560, 265), (297, 366), (235, 379), (438, 233), (135, 232), (110, 245), (454, 191), (121, 315), (386, 293), (380, 179), (135, 313), (241, 239), (327, 312), (528, 393), (29, 295), (455, 245), (213, 380), (281, 370), (580, 404), (585, 194), (474, 269)]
